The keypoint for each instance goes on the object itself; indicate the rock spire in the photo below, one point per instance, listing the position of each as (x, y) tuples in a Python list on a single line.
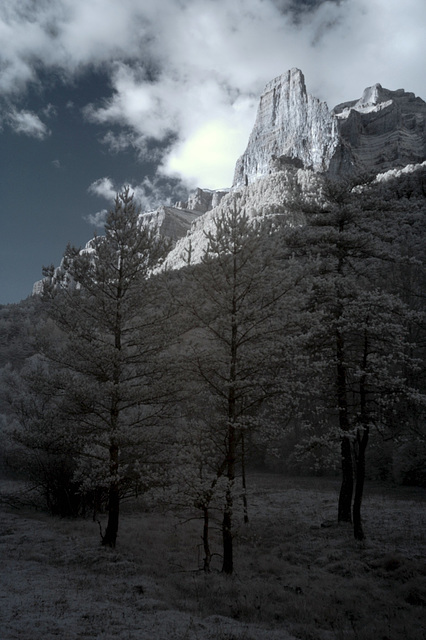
[(291, 127)]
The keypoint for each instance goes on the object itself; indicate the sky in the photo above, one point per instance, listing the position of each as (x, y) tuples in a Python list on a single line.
[(162, 96)]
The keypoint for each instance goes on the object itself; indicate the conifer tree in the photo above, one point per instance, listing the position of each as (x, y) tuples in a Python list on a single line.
[(234, 299), (106, 306), (362, 335)]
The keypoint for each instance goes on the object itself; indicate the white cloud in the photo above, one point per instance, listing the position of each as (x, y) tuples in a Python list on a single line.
[(50, 111), (27, 123), (153, 192), (148, 195), (104, 188), (195, 68), (207, 157), (97, 219)]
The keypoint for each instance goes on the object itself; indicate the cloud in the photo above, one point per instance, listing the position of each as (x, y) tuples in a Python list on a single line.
[(50, 111), (148, 195), (207, 156), (104, 188), (159, 190), (27, 123), (188, 74), (56, 164), (97, 219)]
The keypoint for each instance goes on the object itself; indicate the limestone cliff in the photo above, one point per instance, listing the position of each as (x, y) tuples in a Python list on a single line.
[(202, 200), (382, 130), (172, 222), (291, 128)]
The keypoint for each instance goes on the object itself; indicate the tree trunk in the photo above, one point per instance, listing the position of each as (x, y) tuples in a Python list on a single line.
[(361, 446), (206, 545), (359, 485), (227, 538), (243, 473), (110, 537), (228, 556), (346, 490), (347, 486)]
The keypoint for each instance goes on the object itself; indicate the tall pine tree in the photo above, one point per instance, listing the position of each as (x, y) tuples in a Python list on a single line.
[(105, 302)]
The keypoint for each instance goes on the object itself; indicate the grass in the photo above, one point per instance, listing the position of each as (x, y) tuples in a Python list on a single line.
[(294, 578)]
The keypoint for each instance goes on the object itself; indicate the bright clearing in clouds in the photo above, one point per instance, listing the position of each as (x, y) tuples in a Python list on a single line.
[(188, 74)]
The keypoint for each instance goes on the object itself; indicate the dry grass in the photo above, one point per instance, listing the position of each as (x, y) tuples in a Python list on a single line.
[(293, 578)]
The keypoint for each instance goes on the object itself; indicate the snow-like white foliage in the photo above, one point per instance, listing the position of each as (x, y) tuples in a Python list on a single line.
[(397, 173)]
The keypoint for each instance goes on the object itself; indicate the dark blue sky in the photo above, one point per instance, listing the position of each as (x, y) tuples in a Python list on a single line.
[(162, 96), (44, 183)]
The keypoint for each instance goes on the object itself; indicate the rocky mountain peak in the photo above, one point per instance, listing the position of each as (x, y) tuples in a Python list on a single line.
[(381, 130), (291, 127)]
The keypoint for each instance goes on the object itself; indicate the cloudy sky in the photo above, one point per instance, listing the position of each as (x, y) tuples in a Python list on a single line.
[(95, 94)]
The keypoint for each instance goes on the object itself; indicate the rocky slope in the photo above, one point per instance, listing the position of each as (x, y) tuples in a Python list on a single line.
[(268, 195)]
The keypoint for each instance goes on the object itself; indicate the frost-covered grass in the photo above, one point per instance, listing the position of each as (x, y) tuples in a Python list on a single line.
[(294, 578)]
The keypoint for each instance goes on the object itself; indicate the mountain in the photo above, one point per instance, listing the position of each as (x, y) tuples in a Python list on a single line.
[(291, 128), (380, 131), (295, 141)]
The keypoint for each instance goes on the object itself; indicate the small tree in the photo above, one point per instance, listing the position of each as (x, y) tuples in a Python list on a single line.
[(196, 473), (377, 339), (39, 435)]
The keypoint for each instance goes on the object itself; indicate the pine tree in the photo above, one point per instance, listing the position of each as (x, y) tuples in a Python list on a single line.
[(362, 333), (233, 299), (105, 302)]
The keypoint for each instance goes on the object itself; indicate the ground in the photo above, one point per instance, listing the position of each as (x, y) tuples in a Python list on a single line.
[(297, 573)]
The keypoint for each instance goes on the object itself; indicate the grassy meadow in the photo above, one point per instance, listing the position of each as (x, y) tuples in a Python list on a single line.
[(297, 573)]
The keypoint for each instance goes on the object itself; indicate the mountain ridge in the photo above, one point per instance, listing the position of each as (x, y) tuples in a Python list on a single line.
[(295, 140), (381, 130)]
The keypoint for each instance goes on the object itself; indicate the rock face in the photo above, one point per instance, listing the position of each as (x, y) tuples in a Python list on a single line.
[(202, 200), (382, 130), (291, 127), (172, 222)]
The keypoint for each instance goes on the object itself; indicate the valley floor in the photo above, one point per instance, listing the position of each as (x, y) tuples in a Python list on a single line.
[(297, 573)]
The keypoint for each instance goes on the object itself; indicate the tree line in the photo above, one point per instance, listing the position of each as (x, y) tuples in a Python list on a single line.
[(307, 338)]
